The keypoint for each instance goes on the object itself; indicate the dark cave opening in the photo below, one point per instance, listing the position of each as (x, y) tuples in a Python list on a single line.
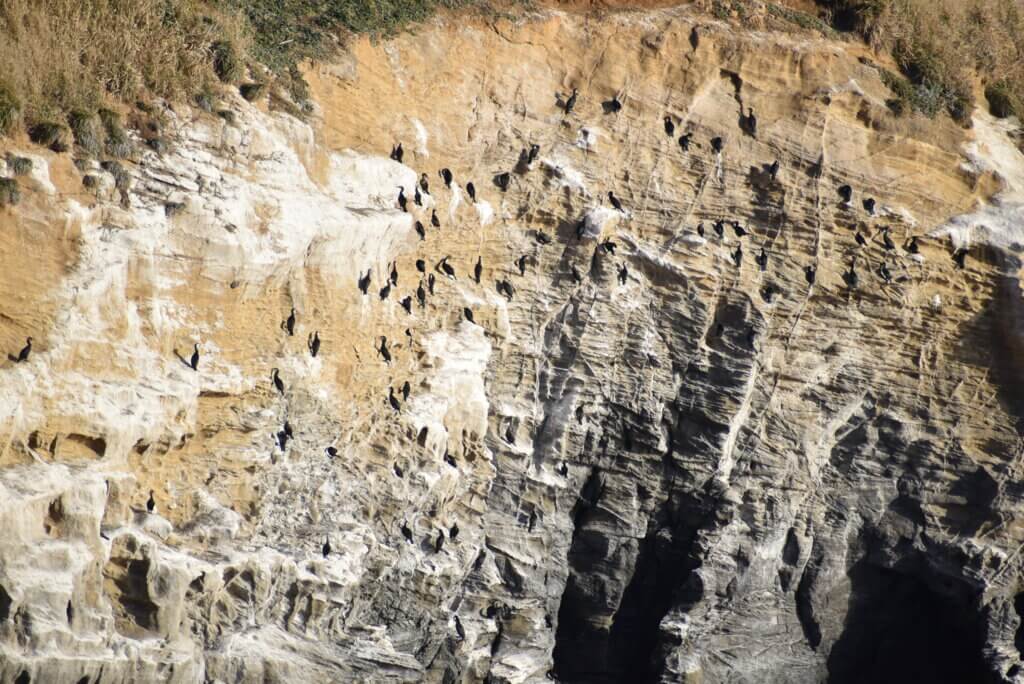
[(899, 630), (588, 651)]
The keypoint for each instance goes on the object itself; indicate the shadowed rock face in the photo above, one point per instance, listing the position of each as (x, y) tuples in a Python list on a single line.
[(643, 461)]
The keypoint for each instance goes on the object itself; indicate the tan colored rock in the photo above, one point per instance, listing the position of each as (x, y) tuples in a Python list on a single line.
[(636, 493)]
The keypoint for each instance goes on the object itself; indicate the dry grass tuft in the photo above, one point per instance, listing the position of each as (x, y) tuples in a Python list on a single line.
[(66, 58)]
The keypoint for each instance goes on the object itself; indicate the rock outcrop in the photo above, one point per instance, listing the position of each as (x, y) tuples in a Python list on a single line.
[(626, 451)]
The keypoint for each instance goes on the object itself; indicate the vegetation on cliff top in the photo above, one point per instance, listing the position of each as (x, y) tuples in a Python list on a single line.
[(940, 46), (64, 62)]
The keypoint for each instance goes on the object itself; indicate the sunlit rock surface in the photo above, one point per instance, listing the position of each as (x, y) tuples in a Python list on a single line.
[(644, 462)]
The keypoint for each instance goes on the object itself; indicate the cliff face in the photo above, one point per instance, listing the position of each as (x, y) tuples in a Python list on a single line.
[(645, 461)]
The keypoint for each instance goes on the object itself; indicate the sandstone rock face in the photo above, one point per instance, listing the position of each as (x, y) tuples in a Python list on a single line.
[(639, 461)]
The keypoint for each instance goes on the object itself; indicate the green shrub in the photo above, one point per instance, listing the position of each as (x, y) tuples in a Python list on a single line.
[(10, 110), (228, 64), (87, 131), (19, 166), (117, 142), (9, 193)]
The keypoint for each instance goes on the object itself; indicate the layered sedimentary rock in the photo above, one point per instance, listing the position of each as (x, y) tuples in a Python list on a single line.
[(643, 460)]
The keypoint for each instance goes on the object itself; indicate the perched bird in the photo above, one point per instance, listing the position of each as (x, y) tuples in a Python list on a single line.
[(453, 531), (869, 205), (421, 231), (612, 106), (405, 390), (314, 343), (960, 257), (623, 274), (417, 198), (430, 283), (397, 153), (421, 265), (502, 180), (282, 440), (194, 361), (364, 282), (846, 193), (534, 151), (670, 127), (393, 400), (571, 102), (614, 200), (883, 272), (751, 122), (809, 273), (394, 273), (521, 264), (860, 239), (850, 277), (717, 144), (383, 349), (468, 313), (506, 288), (720, 228), (332, 451), (478, 270), (326, 547), (275, 377), (150, 502), (439, 542), (406, 532), (684, 141), (385, 291), (773, 170), (471, 190), (609, 246), (288, 325), (911, 245), (700, 229), (762, 260), (738, 229), (887, 241), (446, 176), (459, 629), (767, 292), (737, 256), (449, 459), (402, 201), (434, 221), (447, 268), (421, 295), (424, 183), (407, 304), (563, 469)]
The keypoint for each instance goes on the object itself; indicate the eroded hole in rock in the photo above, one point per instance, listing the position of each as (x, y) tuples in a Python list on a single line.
[(79, 447), (1018, 605), (898, 629), (5, 604), (597, 641), (128, 588)]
